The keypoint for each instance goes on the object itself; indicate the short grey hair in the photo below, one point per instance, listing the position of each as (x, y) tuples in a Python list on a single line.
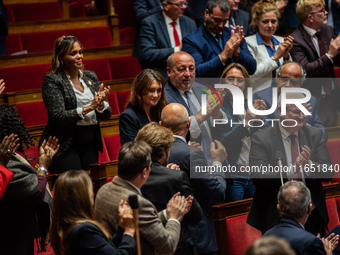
[(294, 198), (223, 4)]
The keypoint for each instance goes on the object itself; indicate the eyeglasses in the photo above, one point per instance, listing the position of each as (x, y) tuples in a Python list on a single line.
[(232, 79), (322, 10), (180, 4), (293, 82), (296, 112)]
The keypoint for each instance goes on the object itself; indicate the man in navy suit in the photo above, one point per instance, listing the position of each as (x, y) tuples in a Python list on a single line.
[(214, 46), (161, 34), (294, 206), (209, 189), (180, 88), (290, 74)]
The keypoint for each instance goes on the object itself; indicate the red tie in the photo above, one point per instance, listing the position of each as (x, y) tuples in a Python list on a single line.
[(295, 153), (176, 37)]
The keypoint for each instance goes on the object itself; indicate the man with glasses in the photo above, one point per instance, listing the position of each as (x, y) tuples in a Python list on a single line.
[(316, 48), (290, 74), (304, 157), (214, 46), (161, 34)]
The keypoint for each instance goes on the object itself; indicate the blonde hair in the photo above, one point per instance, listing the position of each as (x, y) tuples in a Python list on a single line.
[(305, 7), (261, 7), (62, 46)]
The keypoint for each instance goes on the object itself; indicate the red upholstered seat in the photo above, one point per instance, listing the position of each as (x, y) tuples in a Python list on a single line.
[(24, 77), (13, 44), (124, 67), (33, 114), (32, 154), (9, 12), (100, 66), (125, 11), (109, 179), (123, 98), (40, 42), (332, 213), (37, 11), (334, 151), (337, 72), (103, 156), (77, 9), (113, 101), (127, 35), (240, 235), (112, 143), (92, 37)]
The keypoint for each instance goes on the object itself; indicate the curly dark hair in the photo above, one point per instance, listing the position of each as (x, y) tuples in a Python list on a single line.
[(11, 123)]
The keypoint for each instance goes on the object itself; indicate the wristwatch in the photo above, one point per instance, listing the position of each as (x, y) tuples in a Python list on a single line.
[(41, 168)]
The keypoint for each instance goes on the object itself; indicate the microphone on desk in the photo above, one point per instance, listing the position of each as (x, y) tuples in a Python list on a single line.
[(278, 158), (133, 200)]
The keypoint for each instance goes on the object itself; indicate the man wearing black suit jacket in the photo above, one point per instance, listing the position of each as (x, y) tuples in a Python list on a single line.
[(311, 155), (164, 182), (209, 189)]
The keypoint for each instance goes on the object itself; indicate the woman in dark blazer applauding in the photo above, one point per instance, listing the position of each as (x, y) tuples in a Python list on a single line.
[(75, 101), (74, 229), (145, 105)]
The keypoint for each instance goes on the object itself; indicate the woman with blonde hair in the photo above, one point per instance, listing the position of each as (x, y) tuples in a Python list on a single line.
[(268, 50), (74, 229), (145, 105)]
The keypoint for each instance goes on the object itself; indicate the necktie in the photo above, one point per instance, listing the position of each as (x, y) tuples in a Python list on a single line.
[(205, 139), (295, 153), (176, 37), (219, 40), (327, 85)]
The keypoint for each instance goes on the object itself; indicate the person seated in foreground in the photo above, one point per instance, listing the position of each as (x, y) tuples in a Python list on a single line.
[(294, 206), (74, 229)]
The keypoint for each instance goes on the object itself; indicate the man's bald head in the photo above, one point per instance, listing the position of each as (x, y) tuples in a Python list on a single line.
[(175, 117)]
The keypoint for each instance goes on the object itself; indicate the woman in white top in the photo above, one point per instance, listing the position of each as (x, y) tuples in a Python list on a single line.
[(75, 101), (268, 50)]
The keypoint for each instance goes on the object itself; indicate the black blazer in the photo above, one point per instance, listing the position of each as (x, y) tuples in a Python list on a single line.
[(263, 214), (130, 121), (161, 185), (61, 103), (86, 238)]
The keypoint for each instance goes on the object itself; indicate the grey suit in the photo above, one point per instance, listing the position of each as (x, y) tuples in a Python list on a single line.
[(153, 46), (263, 214), (158, 236)]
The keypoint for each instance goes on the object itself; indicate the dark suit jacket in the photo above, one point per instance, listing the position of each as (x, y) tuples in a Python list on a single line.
[(313, 120), (265, 143), (242, 18), (145, 8), (336, 15), (303, 242), (336, 231), (3, 21), (130, 121), (61, 103), (154, 46), (161, 185), (86, 238), (157, 235), (203, 47), (208, 191)]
